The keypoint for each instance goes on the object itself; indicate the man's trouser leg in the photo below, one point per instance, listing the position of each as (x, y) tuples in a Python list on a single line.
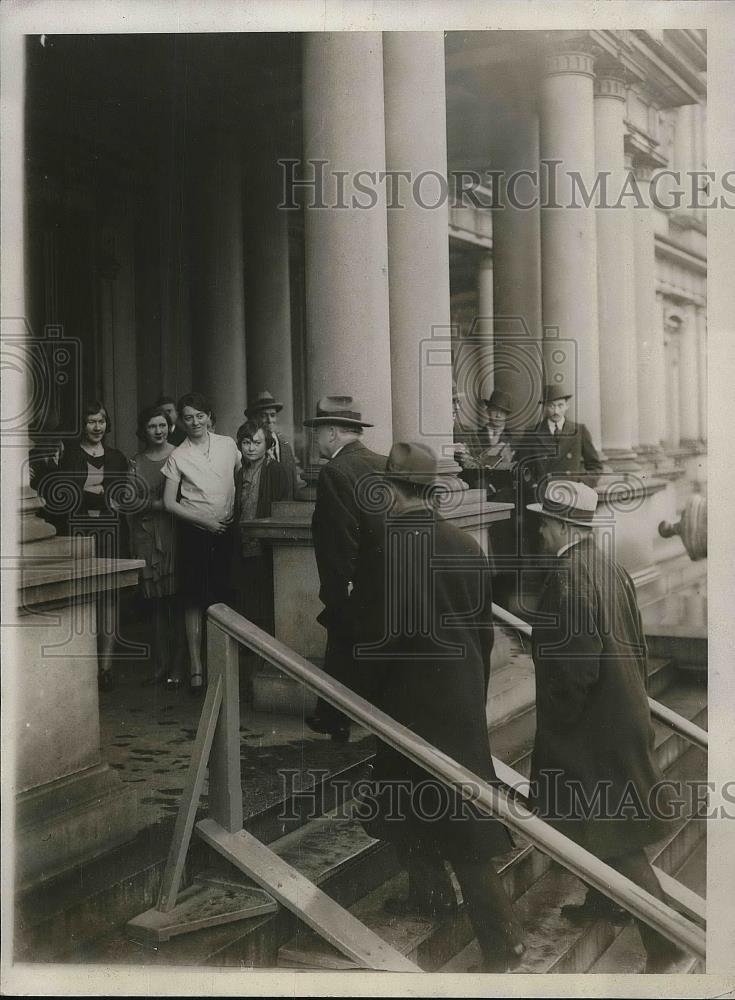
[(491, 914), (338, 664)]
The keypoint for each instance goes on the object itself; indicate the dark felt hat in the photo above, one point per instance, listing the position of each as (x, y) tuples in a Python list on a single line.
[(411, 462), (553, 392), (340, 410), (263, 401), (500, 400)]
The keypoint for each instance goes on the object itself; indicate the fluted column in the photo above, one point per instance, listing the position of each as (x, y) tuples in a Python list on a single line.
[(702, 370), (268, 292), (418, 247), (218, 331), (688, 377), (649, 327), (348, 343), (568, 234), (616, 305), (517, 331), (672, 352)]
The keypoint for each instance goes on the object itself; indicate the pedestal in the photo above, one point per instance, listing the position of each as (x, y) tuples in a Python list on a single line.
[(70, 804)]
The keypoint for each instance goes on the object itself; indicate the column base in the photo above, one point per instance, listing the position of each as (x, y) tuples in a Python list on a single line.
[(70, 820)]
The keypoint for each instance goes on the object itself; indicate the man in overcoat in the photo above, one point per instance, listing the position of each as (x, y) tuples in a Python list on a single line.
[(342, 524), (557, 447), (425, 636), (594, 775)]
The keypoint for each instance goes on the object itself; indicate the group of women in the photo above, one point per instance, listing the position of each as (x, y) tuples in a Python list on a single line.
[(182, 510)]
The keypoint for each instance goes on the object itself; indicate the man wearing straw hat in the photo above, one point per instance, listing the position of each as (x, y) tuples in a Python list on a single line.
[(341, 524), (594, 775)]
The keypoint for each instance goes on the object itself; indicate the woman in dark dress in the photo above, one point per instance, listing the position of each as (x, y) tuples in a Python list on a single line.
[(153, 537), (85, 495)]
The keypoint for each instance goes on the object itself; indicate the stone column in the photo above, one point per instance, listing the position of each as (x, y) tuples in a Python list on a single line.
[(649, 327), (218, 330), (688, 377), (347, 312), (672, 339), (568, 234), (517, 333), (268, 299), (485, 326), (702, 370), (616, 306), (418, 246)]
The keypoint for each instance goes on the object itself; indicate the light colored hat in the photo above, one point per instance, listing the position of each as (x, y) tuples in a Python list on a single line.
[(340, 410), (564, 500)]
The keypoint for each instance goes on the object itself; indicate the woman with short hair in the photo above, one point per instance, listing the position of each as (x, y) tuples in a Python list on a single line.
[(153, 537), (200, 492), (84, 494)]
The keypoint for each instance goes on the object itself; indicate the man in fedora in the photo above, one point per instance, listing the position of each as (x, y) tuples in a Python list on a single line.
[(265, 409), (559, 447), (341, 526), (424, 625), (494, 442), (593, 774)]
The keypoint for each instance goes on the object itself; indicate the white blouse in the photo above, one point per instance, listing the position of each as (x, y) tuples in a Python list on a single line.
[(207, 481)]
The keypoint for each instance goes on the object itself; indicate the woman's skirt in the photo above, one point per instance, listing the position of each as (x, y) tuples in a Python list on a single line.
[(205, 565)]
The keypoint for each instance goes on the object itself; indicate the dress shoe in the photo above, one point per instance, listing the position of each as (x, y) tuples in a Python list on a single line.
[(594, 909), (340, 731)]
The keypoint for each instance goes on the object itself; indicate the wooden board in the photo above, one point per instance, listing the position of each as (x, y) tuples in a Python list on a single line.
[(199, 906), (330, 920)]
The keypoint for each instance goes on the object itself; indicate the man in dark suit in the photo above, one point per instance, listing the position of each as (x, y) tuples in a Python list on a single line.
[(559, 448), (341, 526), (265, 409), (594, 775)]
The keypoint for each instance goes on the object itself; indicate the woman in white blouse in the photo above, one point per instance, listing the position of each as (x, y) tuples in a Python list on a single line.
[(200, 491)]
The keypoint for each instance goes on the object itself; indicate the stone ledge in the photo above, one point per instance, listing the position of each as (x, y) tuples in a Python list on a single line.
[(49, 580)]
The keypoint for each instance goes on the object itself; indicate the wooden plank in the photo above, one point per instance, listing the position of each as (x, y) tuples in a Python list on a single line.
[(191, 795), (225, 784), (198, 907), (309, 903), (685, 899)]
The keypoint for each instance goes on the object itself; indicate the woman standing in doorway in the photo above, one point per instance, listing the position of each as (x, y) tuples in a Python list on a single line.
[(200, 491), (153, 538)]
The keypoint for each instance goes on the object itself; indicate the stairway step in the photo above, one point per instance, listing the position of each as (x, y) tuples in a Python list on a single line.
[(87, 907), (427, 942), (662, 673), (512, 689)]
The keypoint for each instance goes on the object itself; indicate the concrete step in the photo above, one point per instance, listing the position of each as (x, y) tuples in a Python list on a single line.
[(64, 915), (333, 851), (428, 943)]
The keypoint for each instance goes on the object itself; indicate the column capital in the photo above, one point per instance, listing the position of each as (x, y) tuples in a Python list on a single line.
[(570, 59), (611, 86)]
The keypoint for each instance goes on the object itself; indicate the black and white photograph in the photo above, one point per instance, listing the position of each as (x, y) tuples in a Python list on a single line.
[(366, 380)]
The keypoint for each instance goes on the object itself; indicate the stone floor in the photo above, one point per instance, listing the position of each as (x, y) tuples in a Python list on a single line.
[(147, 735)]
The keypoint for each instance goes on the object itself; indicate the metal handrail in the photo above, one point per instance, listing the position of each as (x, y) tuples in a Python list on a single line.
[(490, 799), (681, 726)]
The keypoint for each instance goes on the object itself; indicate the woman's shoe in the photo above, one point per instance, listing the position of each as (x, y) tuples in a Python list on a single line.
[(106, 680), (173, 683)]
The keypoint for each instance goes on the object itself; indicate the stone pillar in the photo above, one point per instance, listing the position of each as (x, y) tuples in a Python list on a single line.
[(268, 298), (568, 234), (347, 312), (688, 377), (616, 306), (517, 333), (485, 326), (702, 370), (649, 327), (672, 339), (418, 247), (218, 330)]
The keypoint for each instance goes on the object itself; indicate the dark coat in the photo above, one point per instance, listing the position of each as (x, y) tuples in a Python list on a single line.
[(283, 453), (343, 526), (570, 455), (275, 484), (424, 634), (62, 490), (593, 722)]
